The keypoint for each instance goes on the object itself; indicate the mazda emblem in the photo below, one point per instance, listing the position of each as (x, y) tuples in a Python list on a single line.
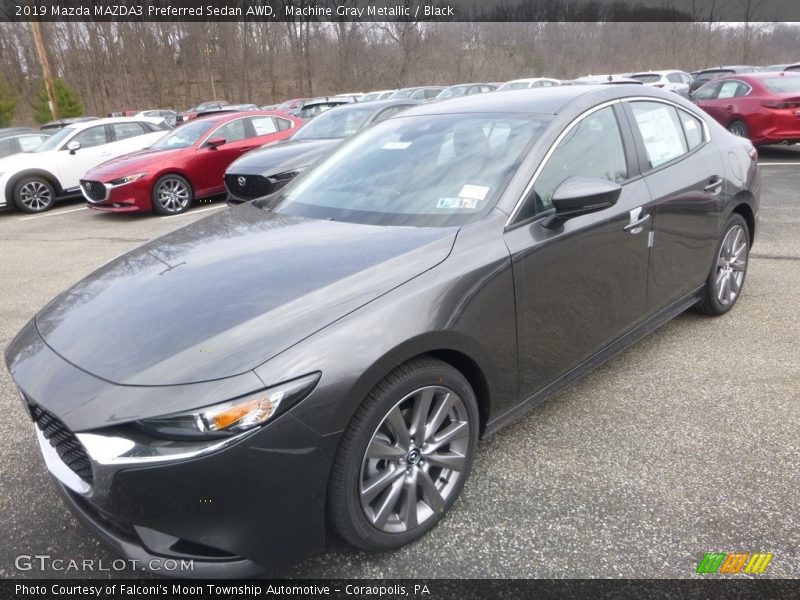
[(241, 181)]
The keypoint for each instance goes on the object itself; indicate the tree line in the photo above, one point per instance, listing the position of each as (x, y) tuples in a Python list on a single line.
[(138, 65)]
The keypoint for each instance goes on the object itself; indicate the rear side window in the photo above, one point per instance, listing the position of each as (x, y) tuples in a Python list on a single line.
[(263, 125), (592, 148), (8, 146), (693, 128), (674, 78), (283, 124), (30, 142), (732, 89), (661, 131)]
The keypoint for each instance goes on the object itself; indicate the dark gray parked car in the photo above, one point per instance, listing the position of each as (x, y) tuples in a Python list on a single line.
[(266, 170), (330, 357)]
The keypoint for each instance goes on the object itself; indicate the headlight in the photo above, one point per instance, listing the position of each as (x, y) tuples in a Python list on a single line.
[(234, 416), (128, 179)]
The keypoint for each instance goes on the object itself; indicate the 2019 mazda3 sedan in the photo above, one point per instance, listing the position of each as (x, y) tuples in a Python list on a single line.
[(328, 357), (763, 107), (186, 164)]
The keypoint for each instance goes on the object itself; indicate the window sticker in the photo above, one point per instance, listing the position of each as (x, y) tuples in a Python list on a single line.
[(689, 124), (475, 192), (396, 145), (468, 203)]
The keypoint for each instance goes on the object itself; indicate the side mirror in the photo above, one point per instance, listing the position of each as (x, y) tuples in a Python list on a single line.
[(580, 196), (73, 147), (215, 142)]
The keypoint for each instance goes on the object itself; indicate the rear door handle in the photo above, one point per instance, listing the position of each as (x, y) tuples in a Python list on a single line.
[(637, 223), (714, 185), (729, 107)]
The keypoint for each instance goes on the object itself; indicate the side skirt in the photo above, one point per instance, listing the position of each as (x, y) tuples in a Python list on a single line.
[(634, 335)]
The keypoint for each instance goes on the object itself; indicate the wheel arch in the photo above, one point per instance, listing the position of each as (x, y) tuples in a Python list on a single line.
[(450, 348), (742, 205), (43, 173)]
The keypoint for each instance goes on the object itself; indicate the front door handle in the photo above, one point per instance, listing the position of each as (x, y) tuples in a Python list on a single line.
[(637, 222), (729, 107), (714, 185)]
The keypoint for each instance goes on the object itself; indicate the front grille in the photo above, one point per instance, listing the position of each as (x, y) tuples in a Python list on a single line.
[(68, 446), (95, 190), (248, 186)]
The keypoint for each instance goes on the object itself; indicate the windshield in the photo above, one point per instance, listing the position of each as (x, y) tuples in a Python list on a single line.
[(426, 171), (516, 85), (647, 78), (183, 136), (335, 124), (54, 141), (453, 92), (782, 84), (709, 75), (402, 94)]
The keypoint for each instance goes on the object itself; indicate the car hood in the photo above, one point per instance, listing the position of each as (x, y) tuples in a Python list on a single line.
[(225, 294), (282, 157), (134, 162)]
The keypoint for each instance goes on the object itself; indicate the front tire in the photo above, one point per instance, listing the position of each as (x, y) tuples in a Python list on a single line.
[(172, 195), (405, 456), (34, 194), (726, 279)]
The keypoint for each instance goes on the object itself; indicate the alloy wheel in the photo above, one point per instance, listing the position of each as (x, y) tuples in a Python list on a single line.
[(414, 460), (731, 265), (35, 195), (173, 195)]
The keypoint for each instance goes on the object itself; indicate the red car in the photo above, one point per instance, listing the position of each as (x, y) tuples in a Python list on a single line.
[(764, 107), (185, 164)]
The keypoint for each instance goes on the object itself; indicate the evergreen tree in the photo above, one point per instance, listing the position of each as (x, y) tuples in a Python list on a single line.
[(69, 105), (8, 104)]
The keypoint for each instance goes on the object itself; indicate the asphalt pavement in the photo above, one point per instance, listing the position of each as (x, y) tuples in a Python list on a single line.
[(686, 443)]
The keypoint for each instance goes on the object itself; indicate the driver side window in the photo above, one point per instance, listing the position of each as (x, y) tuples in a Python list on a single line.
[(592, 148), (233, 131), (94, 136)]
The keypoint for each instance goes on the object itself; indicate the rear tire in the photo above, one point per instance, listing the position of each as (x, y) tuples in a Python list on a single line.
[(404, 457), (726, 279), (34, 194), (172, 195), (739, 128)]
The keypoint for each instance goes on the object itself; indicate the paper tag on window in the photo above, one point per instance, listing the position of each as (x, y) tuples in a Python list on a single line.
[(689, 125), (477, 192), (468, 203), (396, 145)]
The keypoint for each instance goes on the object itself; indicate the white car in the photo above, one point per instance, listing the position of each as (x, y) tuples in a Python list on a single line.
[(163, 115), (531, 82), (32, 181), (674, 81), (377, 95)]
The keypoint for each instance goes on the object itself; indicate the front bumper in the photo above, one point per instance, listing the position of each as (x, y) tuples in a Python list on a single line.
[(255, 503), (128, 197)]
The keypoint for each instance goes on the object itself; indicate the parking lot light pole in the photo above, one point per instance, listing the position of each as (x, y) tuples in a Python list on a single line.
[(45, 64)]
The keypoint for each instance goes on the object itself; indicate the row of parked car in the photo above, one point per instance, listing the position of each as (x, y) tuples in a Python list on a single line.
[(143, 162)]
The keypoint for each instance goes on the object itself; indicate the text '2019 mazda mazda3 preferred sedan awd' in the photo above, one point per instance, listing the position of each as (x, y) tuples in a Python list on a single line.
[(327, 357)]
